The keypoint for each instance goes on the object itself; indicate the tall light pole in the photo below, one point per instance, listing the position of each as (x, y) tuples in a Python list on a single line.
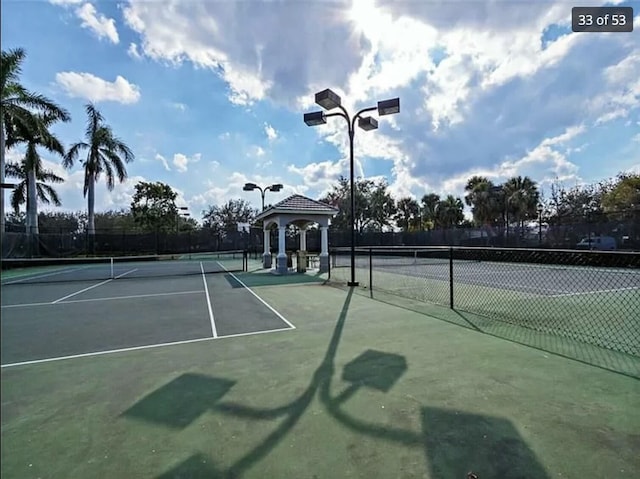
[(252, 186), (329, 100)]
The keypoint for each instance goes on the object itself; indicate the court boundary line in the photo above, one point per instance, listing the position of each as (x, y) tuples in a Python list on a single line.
[(271, 308), (91, 287), (214, 331), (595, 291), (89, 300), (28, 276), (139, 348)]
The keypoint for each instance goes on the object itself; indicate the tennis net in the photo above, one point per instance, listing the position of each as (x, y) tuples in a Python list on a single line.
[(51, 270), (390, 257)]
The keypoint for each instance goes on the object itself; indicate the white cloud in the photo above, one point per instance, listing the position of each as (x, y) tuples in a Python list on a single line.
[(271, 132), (320, 176), (221, 189), (95, 89), (164, 161), (179, 106), (224, 136), (133, 52), (256, 151), (98, 23), (264, 53), (181, 161)]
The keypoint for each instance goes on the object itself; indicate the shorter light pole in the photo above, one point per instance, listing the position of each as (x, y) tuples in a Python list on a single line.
[(179, 212), (540, 210), (252, 186)]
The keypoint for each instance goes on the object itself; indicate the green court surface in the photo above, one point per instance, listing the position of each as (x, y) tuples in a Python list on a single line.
[(361, 388)]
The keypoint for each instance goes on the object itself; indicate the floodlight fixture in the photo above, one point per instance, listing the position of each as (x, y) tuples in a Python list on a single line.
[(368, 123), (315, 118), (249, 187), (328, 99), (389, 107)]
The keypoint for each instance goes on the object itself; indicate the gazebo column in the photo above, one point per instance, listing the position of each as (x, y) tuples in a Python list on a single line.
[(303, 239), (266, 256), (324, 249), (282, 253)]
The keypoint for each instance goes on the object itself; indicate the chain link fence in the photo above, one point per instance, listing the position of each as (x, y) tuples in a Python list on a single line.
[(589, 296)]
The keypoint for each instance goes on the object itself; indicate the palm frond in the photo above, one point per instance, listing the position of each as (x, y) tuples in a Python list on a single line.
[(18, 196), (94, 121), (72, 154), (14, 170), (47, 194), (49, 176), (108, 168), (35, 101), (11, 65)]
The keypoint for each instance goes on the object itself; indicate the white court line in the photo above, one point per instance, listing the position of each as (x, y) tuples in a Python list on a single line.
[(214, 331), (134, 296), (91, 287), (252, 333), (26, 277), (137, 348), (258, 297), (581, 293), (102, 353)]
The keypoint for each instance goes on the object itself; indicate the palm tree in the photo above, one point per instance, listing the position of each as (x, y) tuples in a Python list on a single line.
[(450, 211), (481, 197), (522, 198), (45, 193), (35, 135), (407, 210), (429, 205), (16, 108), (106, 154)]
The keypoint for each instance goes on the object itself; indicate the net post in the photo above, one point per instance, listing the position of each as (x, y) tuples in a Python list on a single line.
[(451, 278), (371, 272), (112, 273)]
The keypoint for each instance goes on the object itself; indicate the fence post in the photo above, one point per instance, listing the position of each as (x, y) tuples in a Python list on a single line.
[(451, 278)]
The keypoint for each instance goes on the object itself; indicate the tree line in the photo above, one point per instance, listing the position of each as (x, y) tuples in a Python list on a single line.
[(517, 201)]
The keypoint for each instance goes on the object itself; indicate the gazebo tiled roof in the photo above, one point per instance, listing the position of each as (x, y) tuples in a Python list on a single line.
[(298, 204)]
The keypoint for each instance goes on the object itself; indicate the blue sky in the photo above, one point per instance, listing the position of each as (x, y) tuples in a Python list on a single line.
[(211, 94)]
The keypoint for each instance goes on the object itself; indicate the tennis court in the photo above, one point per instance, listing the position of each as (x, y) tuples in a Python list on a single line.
[(537, 279), (361, 389), (59, 309), (599, 305)]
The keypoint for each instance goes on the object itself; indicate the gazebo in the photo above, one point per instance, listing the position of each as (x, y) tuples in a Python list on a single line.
[(301, 212)]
